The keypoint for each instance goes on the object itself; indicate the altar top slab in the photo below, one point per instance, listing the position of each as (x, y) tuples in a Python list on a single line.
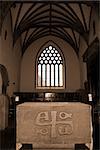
[(75, 104)]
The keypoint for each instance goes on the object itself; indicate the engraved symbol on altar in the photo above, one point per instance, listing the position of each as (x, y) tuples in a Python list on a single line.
[(59, 123)]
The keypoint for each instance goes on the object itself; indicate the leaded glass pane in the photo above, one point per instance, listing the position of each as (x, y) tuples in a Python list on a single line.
[(48, 75), (39, 75), (52, 75), (43, 75), (60, 75), (56, 75)]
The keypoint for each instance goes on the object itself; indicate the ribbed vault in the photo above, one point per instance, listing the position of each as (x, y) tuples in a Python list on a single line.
[(67, 20)]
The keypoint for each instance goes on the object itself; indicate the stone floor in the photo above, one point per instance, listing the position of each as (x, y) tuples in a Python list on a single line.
[(8, 139)]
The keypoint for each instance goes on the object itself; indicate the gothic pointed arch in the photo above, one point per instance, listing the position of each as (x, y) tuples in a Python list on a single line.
[(50, 66)]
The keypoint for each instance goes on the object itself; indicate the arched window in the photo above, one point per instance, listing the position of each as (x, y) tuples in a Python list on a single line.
[(50, 69)]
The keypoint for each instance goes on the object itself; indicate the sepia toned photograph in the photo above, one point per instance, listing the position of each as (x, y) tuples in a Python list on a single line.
[(49, 75)]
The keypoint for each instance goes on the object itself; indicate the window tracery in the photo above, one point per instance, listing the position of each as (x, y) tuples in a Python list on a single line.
[(50, 68)]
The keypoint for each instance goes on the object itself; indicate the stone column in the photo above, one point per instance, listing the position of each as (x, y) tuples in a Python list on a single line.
[(4, 104)]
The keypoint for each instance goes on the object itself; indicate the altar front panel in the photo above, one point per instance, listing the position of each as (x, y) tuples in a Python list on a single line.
[(53, 124)]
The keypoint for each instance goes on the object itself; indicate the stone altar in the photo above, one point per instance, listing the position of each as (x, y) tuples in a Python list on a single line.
[(53, 125), (4, 106)]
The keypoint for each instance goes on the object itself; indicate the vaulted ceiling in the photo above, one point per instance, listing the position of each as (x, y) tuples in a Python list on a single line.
[(67, 20)]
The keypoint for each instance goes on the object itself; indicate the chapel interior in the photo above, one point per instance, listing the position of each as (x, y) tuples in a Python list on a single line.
[(49, 52)]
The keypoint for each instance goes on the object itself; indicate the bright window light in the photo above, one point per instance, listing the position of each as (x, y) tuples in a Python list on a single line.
[(50, 68), (90, 97)]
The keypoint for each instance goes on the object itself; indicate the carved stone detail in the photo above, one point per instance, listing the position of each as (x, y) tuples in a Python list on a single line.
[(60, 123)]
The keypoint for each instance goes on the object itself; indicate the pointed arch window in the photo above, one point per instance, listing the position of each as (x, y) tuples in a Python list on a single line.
[(50, 69)]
